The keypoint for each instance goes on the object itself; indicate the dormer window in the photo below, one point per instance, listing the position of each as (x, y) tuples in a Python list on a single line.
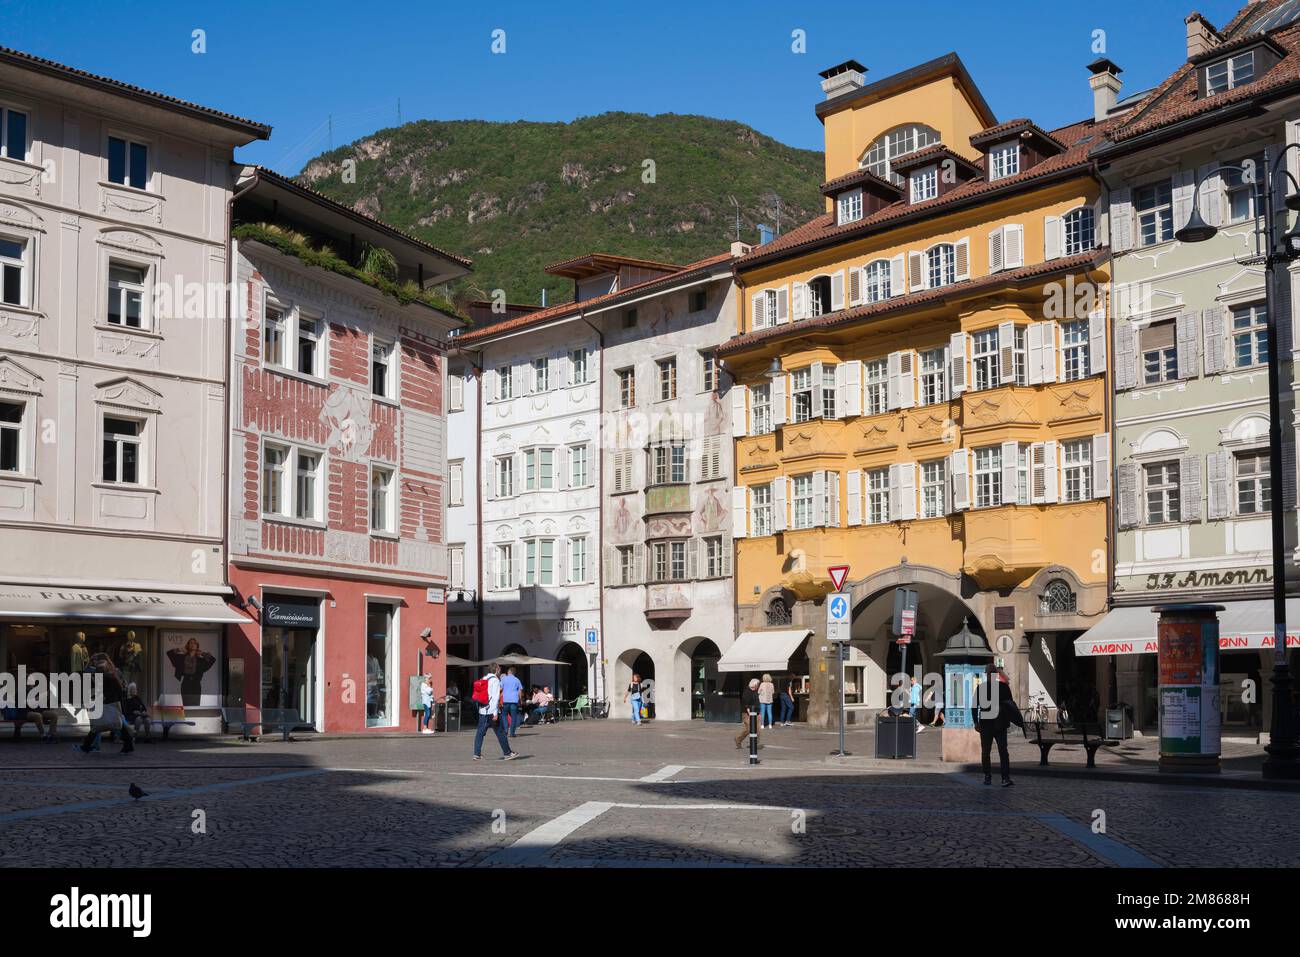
[(1230, 73), (848, 207), (1004, 160), (924, 184)]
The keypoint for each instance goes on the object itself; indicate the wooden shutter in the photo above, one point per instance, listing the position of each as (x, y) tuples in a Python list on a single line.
[(1101, 465), (799, 301), (1184, 185), (906, 379), (1013, 245), (895, 488), (1187, 335), (1053, 244), (840, 371), (1126, 475), (837, 290), (907, 491), (777, 393), (494, 555), (760, 311), (1216, 339), (833, 499), (961, 260), (728, 546), (997, 255), (739, 410), (1051, 334), (1034, 335), (1218, 481), (1007, 353), (1037, 473), (1050, 471), (516, 381), (855, 285), (819, 495), (855, 497), (916, 272), (1010, 459), (850, 397), (1121, 220), (958, 363), (560, 370), (692, 558), (1211, 196), (1097, 341), (780, 484), (893, 389), (1189, 492), (816, 371), (1125, 356), (740, 511), (638, 564), (897, 285), (783, 304), (959, 479)]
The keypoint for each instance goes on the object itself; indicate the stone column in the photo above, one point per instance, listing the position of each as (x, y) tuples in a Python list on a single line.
[(823, 668)]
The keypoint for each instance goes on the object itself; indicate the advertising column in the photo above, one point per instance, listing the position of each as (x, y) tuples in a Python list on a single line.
[(1188, 636)]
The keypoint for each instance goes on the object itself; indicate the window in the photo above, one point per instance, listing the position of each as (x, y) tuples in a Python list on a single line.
[(766, 313), (455, 390), (291, 483), (383, 382), (877, 383), (828, 392), (11, 437), (274, 500), (122, 439), (380, 683), (1162, 496), (895, 144), (1020, 355), (760, 507), (878, 280), (1230, 73), (309, 331), (128, 163), (699, 300), (1155, 213), (455, 483), (307, 486), (778, 613), (274, 335), (1159, 354), (1080, 230), (13, 133), (577, 559), (126, 295), (577, 366), (456, 561), (988, 476), (577, 466), (541, 374), (801, 394), (13, 265), (505, 383), (629, 319), (819, 296), (803, 501), (1252, 483), (709, 371), (288, 334), (670, 464), (381, 500), (626, 388), (760, 409), (1249, 335), (713, 562), (1241, 195), (539, 469), (667, 379), (505, 477), (849, 206), (877, 496), (932, 376), (941, 261), (984, 358), (925, 184), (1024, 452), (933, 485), (626, 565), (1057, 599), (1074, 350), (505, 570), (539, 561), (1004, 160), (1076, 457), (669, 562)]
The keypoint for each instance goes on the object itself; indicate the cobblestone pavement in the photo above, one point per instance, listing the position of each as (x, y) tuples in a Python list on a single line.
[(601, 793)]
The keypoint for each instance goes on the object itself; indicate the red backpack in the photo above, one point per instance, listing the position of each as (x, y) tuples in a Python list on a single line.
[(480, 695)]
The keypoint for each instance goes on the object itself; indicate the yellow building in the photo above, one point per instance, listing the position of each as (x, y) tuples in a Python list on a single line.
[(921, 391)]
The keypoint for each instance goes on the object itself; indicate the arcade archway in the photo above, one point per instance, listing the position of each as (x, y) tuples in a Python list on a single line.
[(572, 681)]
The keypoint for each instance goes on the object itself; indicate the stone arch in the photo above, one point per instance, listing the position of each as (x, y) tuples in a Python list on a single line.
[(628, 662), (678, 702)]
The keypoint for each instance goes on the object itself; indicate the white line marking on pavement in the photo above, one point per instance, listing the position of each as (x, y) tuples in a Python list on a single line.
[(554, 777), (663, 774), (535, 844)]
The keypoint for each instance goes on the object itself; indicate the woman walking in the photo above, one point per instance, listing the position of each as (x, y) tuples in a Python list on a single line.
[(787, 702), (633, 693), (766, 692)]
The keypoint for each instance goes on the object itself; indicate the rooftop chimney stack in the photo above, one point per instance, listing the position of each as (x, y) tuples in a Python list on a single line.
[(740, 249), (843, 78), (1105, 83), (1200, 35)]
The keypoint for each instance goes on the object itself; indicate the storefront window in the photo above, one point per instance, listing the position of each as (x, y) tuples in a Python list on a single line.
[(67, 649), (288, 671), (379, 640)]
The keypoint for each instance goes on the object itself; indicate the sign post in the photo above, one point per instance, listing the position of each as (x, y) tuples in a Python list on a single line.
[(837, 632), (905, 602)]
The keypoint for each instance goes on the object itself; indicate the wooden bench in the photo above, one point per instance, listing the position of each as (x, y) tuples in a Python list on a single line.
[(1047, 734), (270, 720), (168, 716)]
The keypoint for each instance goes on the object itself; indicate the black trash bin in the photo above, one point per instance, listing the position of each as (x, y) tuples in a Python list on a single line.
[(895, 736)]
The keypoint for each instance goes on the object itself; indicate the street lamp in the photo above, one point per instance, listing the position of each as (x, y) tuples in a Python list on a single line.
[(1283, 750)]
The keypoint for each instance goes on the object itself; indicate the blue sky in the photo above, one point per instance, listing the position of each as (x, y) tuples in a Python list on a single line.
[(293, 65)]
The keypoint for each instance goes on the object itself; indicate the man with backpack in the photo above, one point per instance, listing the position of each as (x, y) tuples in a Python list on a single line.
[(487, 695)]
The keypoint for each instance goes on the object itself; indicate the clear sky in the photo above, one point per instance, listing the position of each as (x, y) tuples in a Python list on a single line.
[(294, 65)]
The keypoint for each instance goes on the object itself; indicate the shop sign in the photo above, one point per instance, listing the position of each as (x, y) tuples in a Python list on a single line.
[(288, 613)]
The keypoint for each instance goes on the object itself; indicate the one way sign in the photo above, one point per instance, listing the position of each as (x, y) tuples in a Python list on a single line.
[(837, 616)]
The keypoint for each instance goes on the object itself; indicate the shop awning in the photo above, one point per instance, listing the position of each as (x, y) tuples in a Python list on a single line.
[(1243, 625), (762, 650), (115, 604)]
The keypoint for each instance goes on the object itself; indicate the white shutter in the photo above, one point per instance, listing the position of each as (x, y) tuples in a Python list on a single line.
[(1125, 356), (1126, 475), (740, 511), (906, 379), (1188, 340), (819, 495), (783, 304), (560, 364), (692, 558), (855, 497), (777, 393), (837, 291), (1184, 184), (997, 255), (855, 285), (779, 507), (1219, 484), (840, 372), (1121, 220), (1007, 353), (818, 405), (894, 389), (1189, 491), (959, 477), (1013, 245), (489, 384), (1051, 333), (961, 260), (895, 490), (739, 412), (1101, 465), (897, 286), (516, 381), (1052, 237), (1010, 453), (799, 300), (1034, 334), (850, 397), (517, 565), (958, 363), (638, 564), (1037, 473), (1097, 341), (494, 554), (1050, 472), (833, 499), (1210, 199), (1216, 340), (916, 272), (759, 303), (562, 561), (907, 491), (728, 546)]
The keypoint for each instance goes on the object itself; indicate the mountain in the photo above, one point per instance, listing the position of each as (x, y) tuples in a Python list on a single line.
[(516, 197)]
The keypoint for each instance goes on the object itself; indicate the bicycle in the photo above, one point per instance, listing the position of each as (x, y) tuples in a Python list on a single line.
[(1037, 710)]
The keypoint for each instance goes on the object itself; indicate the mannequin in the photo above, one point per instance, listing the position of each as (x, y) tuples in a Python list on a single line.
[(80, 653)]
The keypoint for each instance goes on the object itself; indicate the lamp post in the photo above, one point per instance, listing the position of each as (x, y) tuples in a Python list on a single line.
[(1283, 759)]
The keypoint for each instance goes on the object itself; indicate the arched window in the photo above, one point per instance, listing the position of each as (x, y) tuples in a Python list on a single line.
[(878, 280), (1057, 599), (819, 296), (896, 143), (941, 260), (778, 612), (1080, 230)]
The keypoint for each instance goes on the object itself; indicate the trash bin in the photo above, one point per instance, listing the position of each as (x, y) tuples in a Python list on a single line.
[(895, 736), (1118, 725), (451, 715)]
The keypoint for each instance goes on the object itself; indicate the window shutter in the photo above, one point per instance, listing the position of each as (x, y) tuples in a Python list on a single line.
[(1051, 334), (1189, 480), (777, 393), (739, 411), (779, 513), (1184, 184), (1035, 336), (1125, 356), (907, 493), (961, 260), (906, 379), (1050, 471), (560, 367), (693, 558), (894, 389), (1037, 473), (896, 284), (916, 275), (1007, 353), (959, 478), (561, 463), (840, 372), (1210, 199), (516, 381), (1128, 494), (957, 363), (1188, 336), (1097, 341), (1013, 245), (740, 511), (833, 499), (837, 291), (1282, 307), (850, 397), (1216, 340), (799, 303), (1052, 237), (1101, 465), (855, 497), (489, 381), (638, 564), (783, 304), (817, 380), (759, 305), (727, 547), (895, 491), (1121, 220), (494, 555), (819, 495), (997, 257), (1010, 454), (1218, 469), (516, 565), (855, 285), (562, 561)]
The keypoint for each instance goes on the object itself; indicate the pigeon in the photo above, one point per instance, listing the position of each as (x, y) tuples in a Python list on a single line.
[(135, 792)]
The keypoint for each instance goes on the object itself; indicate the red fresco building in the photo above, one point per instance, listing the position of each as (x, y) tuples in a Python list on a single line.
[(337, 462)]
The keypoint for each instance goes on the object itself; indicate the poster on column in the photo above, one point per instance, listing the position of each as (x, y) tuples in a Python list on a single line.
[(189, 674)]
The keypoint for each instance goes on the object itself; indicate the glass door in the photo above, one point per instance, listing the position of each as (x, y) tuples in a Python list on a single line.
[(379, 646), (289, 671)]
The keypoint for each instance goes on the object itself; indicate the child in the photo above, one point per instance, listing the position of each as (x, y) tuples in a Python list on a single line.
[(426, 698), (135, 713)]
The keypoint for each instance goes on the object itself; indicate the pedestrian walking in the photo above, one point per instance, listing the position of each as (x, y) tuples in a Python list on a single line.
[(748, 706), (110, 715), (487, 695), (511, 693), (787, 701), (914, 703), (766, 694), (994, 712), (426, 699), (633, 694)]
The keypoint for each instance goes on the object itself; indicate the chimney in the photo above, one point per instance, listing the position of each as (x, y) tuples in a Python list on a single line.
[(1200, 35), (843, 78), (1105, 83), (740, 249)]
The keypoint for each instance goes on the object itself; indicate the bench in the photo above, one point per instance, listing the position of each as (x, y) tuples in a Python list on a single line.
[(168, 716), (1047, 734), (270, 720)]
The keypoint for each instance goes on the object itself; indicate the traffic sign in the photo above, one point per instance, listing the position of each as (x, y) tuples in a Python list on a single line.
[(593, 640), (908, 621), (904, 640), (839, 573), (837, 616)]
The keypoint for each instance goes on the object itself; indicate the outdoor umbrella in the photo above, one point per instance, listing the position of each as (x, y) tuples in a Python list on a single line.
[(522, 660), (453, 662)]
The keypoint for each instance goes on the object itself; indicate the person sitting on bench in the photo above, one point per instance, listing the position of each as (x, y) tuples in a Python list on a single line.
[(19, 716), (135, 712)]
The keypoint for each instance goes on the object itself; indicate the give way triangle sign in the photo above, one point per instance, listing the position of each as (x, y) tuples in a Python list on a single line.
[(838, 574)]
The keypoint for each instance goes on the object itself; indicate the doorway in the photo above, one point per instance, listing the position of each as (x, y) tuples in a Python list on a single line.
[(289, 671)]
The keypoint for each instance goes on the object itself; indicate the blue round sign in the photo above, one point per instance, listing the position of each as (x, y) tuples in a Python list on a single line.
[(839, 607)]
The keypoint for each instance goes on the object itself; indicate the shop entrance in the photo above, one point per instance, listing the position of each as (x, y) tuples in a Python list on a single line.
[(1238, 672), (571, 682), (705, 679), (289, 670)]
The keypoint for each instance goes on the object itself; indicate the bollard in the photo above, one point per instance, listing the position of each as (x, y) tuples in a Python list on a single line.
[(753, 737)]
